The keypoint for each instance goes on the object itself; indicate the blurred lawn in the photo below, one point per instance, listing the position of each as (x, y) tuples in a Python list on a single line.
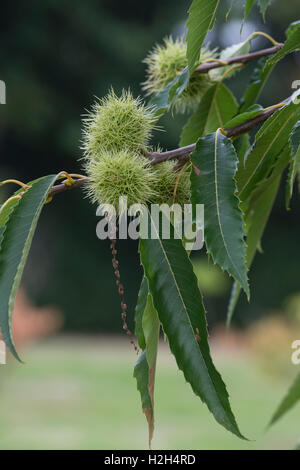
[(78, 393)]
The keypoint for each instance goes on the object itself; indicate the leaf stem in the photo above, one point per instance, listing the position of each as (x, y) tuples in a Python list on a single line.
[(19, 183), (260, 33)]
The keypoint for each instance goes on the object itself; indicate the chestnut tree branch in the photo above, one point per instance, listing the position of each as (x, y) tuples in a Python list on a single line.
[(182, 154), (60, 188), (242, 59)]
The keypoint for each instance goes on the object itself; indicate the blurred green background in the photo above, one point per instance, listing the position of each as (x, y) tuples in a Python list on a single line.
[(56, 56), (79, 394)]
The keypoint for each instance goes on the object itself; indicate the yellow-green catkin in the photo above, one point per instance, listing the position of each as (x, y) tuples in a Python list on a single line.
[(166, 61)]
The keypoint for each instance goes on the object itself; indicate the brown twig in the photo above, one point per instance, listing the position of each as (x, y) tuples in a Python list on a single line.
[(60, 188), (182, 154), (242, 59)]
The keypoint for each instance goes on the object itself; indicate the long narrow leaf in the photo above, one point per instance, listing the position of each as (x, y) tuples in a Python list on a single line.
[(265, 66), (257, 221), (291, 44), (144, 370), (269, 143), (151, 327), (257, 215), (257, 83), (215, 187), (251, 113), (217, 106), (166, 98), (180, 309), (17, 238), (290, 400), (139, 312), (234, 50), (202, 15), (295, 161), (263, 5), (248, 7), (5, 211), (141, 374)]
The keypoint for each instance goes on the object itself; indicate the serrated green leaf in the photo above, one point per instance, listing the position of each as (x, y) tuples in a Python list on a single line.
[(276, 169), (266, 66), (257, 215), (291, 44), (162, 101), (5, 211), (144, 371), (233, 300), (263, 5), (248, 7), (217, 106), (258, 80), (290, 400), (256, 223), (180, 309), (215, 187), (292, 28), (151, 328), (251, 113), (141, 374), (7, 208), (17, 238), (232, 51), (269, 143), (236, 50), (202, 15), (139, 311), (295, 161), (181, 82), (242, 145)]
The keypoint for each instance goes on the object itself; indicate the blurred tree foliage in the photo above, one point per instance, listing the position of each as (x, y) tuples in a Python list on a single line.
[(56, 56)]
